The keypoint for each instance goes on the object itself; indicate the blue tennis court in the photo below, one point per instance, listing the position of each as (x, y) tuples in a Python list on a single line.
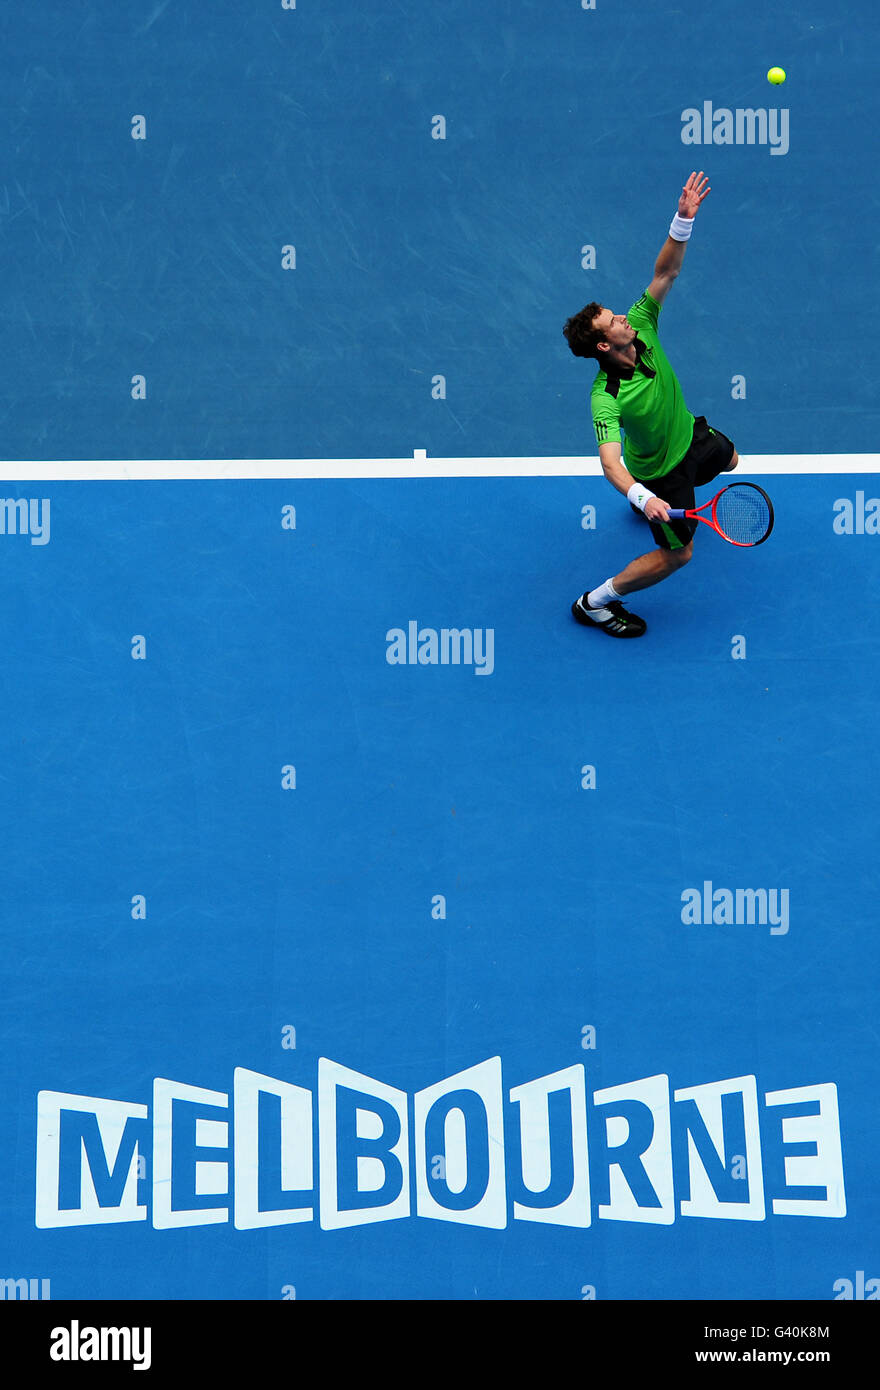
[(371, 930)]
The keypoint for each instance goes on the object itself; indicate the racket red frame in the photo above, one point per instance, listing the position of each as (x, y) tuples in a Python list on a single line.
[(693, 514)]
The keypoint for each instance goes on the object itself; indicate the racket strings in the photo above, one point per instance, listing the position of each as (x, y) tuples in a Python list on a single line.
[(743, 514)]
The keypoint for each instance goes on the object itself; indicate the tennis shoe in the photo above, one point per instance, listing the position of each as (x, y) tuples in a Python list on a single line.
[(614, 619)]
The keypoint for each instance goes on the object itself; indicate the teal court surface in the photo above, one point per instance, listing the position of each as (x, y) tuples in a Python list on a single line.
[(376, 931), (370, 930)]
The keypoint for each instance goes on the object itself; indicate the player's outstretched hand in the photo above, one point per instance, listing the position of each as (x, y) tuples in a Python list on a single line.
[(656, 509), (695, 190)]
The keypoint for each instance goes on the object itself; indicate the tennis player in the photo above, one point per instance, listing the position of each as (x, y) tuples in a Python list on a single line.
[(637, 394)]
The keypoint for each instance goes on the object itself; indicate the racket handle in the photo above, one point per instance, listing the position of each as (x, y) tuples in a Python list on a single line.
[(677, 513)]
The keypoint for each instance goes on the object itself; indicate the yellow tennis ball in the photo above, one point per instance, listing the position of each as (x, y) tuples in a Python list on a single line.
[(776, 75)]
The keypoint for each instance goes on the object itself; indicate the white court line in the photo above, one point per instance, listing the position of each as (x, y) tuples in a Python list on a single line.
[(418, 466)]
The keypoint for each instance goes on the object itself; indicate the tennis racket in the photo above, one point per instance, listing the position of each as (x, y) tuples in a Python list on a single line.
[(741, 513)]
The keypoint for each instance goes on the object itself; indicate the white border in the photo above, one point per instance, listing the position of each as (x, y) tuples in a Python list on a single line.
[(418, 466)]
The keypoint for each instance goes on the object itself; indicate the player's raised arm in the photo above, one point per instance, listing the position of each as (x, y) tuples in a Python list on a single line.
[(669, 261)]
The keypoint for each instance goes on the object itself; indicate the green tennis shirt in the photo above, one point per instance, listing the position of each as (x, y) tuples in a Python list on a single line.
[(644, 403)]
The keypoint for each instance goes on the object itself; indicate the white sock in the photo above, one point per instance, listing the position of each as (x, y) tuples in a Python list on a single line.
[(606, 593)]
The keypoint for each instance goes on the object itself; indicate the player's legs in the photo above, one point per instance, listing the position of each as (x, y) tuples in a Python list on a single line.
[(710, 453), (602, 607), (671, 554), (649, 569)]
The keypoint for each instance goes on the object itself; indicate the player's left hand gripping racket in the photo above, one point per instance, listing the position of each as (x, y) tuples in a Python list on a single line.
[(741, 513)]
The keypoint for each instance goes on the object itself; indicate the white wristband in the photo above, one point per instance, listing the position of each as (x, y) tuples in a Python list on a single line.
[(639, 495), (680, 228)]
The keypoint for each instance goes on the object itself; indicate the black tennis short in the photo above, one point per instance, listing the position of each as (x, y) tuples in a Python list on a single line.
[(709, 454)]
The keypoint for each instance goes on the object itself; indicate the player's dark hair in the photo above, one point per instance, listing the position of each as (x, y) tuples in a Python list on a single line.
[(582, 336)]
